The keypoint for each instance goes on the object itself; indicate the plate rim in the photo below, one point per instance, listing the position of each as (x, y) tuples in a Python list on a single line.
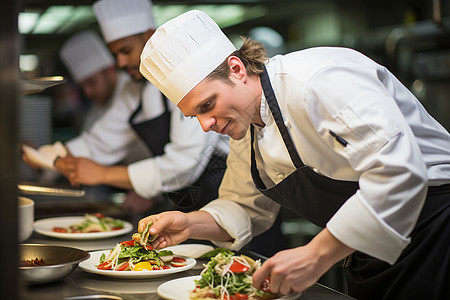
[(131, 274), (128, 227), (165, 296)]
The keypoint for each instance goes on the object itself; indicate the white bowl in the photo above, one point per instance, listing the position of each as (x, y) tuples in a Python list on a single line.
[(25, 211)]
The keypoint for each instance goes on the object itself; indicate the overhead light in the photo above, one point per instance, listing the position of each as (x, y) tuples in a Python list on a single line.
[(27, 21), (81, 16), (224, 15), (53, 18)]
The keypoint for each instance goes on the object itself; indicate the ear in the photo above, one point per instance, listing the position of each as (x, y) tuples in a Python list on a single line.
[(237, 68)]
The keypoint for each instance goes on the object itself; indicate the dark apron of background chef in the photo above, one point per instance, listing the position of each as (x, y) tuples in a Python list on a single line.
[(156, 134), (425, 262)]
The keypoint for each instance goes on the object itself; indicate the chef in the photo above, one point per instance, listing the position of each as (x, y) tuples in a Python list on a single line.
[(92, 67), (187, 165), (325, 132)]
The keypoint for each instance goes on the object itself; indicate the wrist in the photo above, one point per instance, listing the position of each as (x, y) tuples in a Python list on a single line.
[(329, 249)]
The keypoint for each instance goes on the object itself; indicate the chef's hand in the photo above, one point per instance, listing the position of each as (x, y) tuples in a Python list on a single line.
[(172, 227), (175, 227), (25, 157), (294, 270), (81, 170)]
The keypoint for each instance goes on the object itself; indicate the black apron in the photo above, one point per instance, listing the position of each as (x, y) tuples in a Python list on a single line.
[(320, 196), (156, 134), (422, 271)]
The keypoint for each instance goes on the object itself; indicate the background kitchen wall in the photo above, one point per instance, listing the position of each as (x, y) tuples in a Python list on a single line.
[(410, 37)]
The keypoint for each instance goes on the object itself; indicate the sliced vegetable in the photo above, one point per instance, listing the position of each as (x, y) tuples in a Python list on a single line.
[(106, 265), (237, 267), (143, 266)]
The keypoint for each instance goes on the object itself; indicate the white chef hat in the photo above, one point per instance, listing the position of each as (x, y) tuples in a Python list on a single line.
[(85, 54), (182, 52), (123, 18)]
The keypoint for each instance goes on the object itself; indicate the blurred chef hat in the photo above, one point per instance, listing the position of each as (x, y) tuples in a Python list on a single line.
[(123, 18), (85, 54), (182, 52)]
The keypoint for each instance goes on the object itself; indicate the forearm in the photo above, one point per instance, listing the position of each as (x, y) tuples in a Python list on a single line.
[(116, 176), (328, 248), (203, 226)]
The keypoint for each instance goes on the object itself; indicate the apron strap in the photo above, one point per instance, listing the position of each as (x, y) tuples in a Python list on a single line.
[(276, 112), (254, 170), (139, 108)]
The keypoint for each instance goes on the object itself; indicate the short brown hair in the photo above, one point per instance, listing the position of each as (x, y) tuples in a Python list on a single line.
[(253, 56)]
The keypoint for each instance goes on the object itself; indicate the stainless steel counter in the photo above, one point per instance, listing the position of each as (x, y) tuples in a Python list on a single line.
[(86, 285), (80, 283)]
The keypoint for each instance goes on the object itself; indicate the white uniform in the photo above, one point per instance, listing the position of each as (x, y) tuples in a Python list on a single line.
[(394, 150), (185, 156), (96, 110)]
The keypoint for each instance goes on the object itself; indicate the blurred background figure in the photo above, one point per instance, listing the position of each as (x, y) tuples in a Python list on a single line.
[(92, 67)]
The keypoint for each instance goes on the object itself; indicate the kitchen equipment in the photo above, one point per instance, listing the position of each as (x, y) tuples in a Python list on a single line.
[(59, 261), (25, 211)]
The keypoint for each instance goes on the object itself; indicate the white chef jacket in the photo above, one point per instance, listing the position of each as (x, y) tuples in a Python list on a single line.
[(97, 110), (395, 149), (185, 156)]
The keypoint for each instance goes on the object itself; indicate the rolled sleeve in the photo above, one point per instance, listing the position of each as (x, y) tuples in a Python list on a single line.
[(372, 236), (234, 219), (145, 178)]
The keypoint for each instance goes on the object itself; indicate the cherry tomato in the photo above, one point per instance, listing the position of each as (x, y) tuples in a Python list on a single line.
[(122, 266), (237, 267), (265, 286), (177, 264), (59, 229), (165, 267), (178, 259), (116, 228), (106, 265), (99, 215), (240, 296), (127, 243)]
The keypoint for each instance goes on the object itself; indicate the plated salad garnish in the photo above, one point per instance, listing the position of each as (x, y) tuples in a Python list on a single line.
[(139, 255), (229, 277), (96, 222)]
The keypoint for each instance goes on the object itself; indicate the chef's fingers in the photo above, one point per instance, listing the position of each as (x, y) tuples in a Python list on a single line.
[(143, 223), (160, 243), (261, 275)]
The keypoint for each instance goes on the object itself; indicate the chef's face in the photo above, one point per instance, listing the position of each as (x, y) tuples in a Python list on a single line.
[(128, 50), (226, 107), (100, 86)]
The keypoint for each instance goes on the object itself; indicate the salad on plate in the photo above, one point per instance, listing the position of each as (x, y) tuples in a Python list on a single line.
[(229, 276), (139, 255), (96, 222)]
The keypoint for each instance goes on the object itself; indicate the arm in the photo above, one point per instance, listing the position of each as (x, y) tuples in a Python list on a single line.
[(85, 171), (296, 269), (174, 227)]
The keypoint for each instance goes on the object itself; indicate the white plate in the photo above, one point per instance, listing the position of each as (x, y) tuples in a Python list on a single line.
[(190, 250), (45, 227), (90, 266), (179, 289)]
